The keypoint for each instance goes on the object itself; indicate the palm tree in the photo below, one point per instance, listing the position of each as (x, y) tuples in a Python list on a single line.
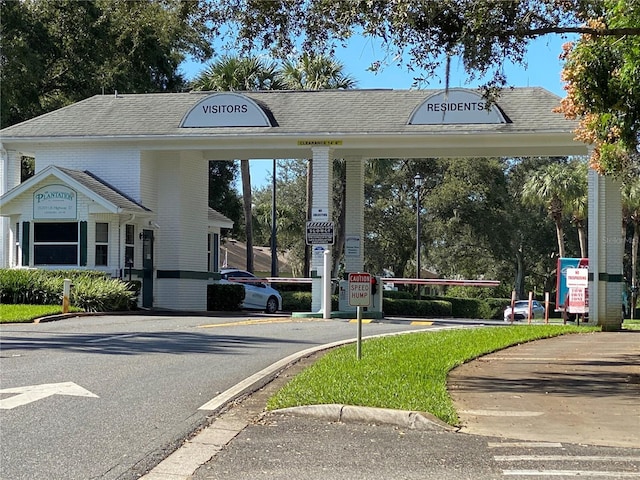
[(631, 215), (555, 186), (317, 72), (241, 73)]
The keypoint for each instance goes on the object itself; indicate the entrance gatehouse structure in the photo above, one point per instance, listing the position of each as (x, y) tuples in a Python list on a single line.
[(123, 178)]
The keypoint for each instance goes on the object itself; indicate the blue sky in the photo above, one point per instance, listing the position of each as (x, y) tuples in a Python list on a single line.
[(543, 70)]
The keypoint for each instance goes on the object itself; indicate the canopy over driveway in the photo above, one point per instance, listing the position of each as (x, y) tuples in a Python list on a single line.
[(153, 147)]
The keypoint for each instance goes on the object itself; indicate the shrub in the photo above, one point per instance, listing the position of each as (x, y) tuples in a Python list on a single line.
[(101, 294), (301, 302), (225, 297), (398, 295), (91, 291), (419, 308), (495, 307), (296, 301)]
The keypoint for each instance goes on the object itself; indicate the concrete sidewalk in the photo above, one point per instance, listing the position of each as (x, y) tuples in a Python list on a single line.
[(573, 388), (583, 389)]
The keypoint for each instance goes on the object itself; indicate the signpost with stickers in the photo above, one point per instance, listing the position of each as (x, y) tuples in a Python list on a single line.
[(359, 296)]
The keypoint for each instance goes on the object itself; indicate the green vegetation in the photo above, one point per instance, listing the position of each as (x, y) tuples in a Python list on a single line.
[(407, 372), (91, 291), (28, 313), (631, 325)]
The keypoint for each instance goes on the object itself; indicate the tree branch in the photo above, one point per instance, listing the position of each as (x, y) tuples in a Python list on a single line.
[(536, 32)]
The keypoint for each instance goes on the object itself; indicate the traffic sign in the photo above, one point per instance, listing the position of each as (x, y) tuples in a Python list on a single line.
[(359, 289), (320, 233), (578, 300), (577, 277)]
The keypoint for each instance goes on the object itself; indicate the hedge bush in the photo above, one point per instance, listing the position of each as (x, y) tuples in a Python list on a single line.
[(91, 290), (398, 295), (418, 308), (225, 297)]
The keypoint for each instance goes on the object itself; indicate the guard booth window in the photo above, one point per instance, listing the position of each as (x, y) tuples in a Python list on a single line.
[(55, 243), (102, 243), (129, 238)]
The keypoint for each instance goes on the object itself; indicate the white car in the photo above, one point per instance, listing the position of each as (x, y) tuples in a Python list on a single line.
[(257, 295), (521, 310)]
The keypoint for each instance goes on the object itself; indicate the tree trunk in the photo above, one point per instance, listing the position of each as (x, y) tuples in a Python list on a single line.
[(248, 215), (519, 280), (582, 237), (560, 236), (634, 267)]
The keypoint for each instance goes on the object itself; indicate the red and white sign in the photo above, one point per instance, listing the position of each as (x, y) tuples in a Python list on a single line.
[(578, 300), (577, 277), (359, 289)]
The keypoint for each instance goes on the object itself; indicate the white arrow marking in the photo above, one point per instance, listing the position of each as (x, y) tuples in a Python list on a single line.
[(32, 393)]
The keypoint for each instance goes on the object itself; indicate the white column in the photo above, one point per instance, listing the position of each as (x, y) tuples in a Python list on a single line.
[(354, 221), (9, 178), (322, 199), (180, 246), (606, 250)]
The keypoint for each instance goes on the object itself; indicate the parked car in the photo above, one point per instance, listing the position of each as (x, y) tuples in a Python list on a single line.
[(257, 295), (521, 310)]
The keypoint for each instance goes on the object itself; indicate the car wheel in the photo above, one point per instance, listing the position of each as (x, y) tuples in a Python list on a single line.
[(272, 305)]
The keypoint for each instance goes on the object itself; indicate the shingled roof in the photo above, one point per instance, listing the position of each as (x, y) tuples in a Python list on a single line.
[(294, 112), (109, 196)]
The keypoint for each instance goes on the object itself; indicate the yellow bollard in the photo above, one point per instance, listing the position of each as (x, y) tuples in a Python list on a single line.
[(66, 292)]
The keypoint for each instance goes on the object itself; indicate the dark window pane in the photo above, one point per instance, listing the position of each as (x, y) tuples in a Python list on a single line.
[(102, 232), (128, 255), (101, 255), (129, 234), (55, 254), (55, 232)]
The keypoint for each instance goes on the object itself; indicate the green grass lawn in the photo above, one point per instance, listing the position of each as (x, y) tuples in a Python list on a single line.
[(406, 372), (631, 324), (28, 313)]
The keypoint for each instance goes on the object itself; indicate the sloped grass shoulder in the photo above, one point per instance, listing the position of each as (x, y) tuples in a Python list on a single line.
[(28, 313), (405, 372)]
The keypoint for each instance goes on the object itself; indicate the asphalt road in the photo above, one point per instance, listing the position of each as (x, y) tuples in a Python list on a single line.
[(129, 388)]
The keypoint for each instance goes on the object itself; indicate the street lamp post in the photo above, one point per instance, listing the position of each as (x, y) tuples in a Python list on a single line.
[(274, 230), (418, 183)]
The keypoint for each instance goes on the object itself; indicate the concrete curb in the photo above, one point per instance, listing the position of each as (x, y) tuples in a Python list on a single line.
[(355, 414), (184, 461)]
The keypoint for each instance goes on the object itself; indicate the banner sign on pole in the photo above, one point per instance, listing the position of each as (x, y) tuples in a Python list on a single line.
[(562, 289)]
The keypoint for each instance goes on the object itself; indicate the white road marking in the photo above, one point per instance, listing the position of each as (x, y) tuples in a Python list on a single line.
[(32, 393), (502, 413), (568, 458), (571, 473), (112, 337), (524, 445)]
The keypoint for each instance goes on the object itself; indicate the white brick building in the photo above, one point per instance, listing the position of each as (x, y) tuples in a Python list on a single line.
[(147, 158)]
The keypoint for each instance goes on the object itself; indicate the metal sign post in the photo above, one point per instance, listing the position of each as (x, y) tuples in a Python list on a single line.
[(359, 296)]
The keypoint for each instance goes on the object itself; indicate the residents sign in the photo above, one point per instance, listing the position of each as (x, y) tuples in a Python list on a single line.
[(359, 289)]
